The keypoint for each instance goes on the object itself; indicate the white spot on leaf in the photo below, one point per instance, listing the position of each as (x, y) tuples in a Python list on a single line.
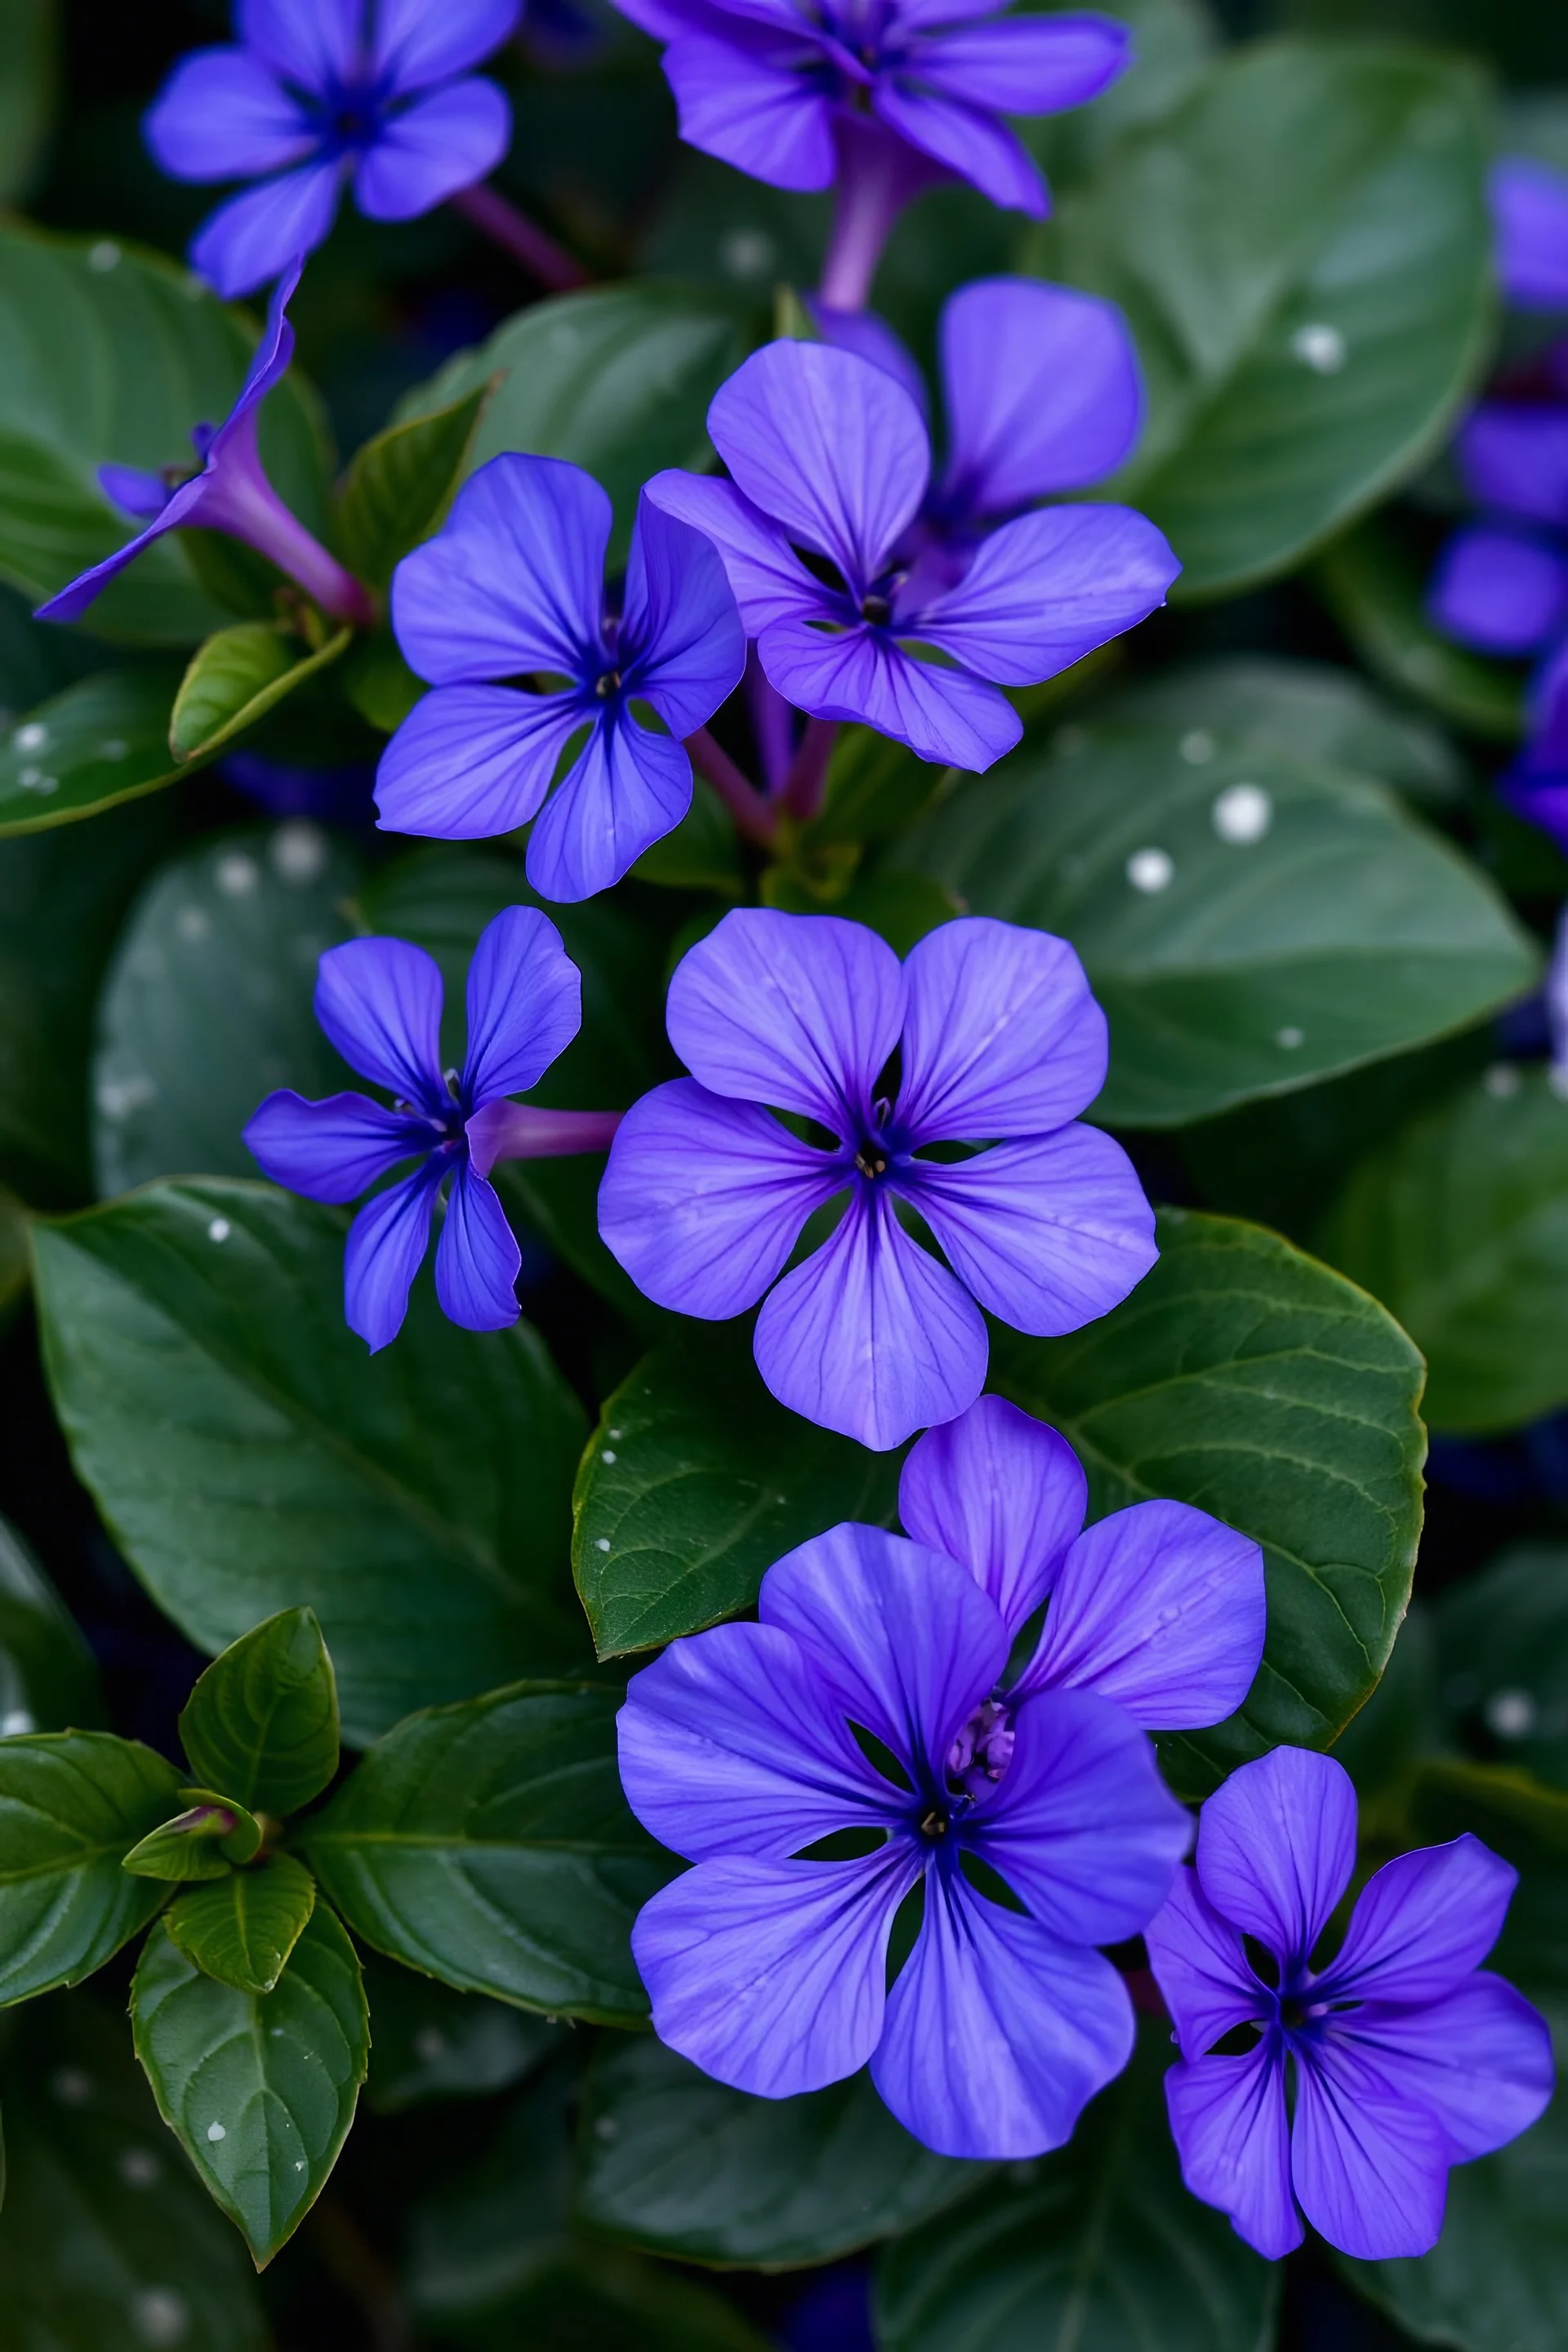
[(160, 2316), (219, 1230), (299, 851), (237, 875), (1150, 870), (1242, 813), (1197, 747), (1510, 1714), (1320, 347), (1503, 1080), (1289, 1037), (217, 2132), (104, 255), (601, 1543)]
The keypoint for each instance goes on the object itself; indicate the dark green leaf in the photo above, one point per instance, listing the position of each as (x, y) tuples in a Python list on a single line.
[(48, 1678), (1302, 247), (1384, 1746), (875, 787), (106, 2239), (72, 1804), (379, 682), (902, 906), (398, 488), (695, 1481), (29, 43), (104, 741), (1502, 1658), (1173, 41), (1249, 921), (235, 679), (209, 1003), (617, 380), (429, 2042), (203, 1841), (1100, 2245), (416, 1500), (262, 1722), (1528, 1825), (1459, 1223), (490, 1845), (701, 854), (241, 1930), (675, 2162), (259, 2088), (1377, 594), (1245, 1379)]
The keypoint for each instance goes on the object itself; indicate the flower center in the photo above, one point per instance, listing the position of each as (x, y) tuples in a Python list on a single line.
[(934, 1826), (871, 1160), (877, 610), (982, 1749), (608, 682)]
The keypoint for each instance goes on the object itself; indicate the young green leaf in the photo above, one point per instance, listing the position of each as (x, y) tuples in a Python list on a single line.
[(72, 1804), (203, 1841), (259, 2088), (235, 679), (104, 741), (263, 1719), (48, 1678), (489, 1845), (242, 1930), (398, 485)]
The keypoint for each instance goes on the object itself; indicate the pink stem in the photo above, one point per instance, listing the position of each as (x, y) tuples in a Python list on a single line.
[(508, 1130), (802, 792), (513, 231), (751, 814)]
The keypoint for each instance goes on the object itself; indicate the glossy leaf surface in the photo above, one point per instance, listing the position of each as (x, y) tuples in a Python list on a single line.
[(262, 1722), (241, 1930), (72, 1804)]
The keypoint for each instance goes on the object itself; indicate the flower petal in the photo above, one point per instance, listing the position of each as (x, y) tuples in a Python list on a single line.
[(906, 1639), (1480, 2060), (135, 492), (71, 601), (1515, 458), (1024, 64), (747, 100), (379, 1001), (997, 2034), (330, 1151), (1160, 1608), (730, 1743), (316, 43), (968, 141), (442, 142), (1276, 1847), (1048, 1233), (1080, 1825), (1001, 1494), (471, 761), (1228, 2121), (254, 237), (1043, 393), (767, 579), (863, 675), (769, 1975), (870, 338), (703, 1199), (871, 1336), (626, 789), (221, 115), (513, 582), (414, 45), (524, 1005), (1002, 1036), (681, 638), (1201, 1966), (827, 446), (477, 1257), (1424, 1922), (1529, 207), (386, 1242), (1369, 2168), (799, 1010), (1498, 590), (1044, 591)]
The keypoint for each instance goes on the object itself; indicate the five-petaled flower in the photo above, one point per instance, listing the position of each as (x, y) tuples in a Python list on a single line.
[(228, 491), (314, 96), (379, 1001), (766, 1963), (513, 589), (999, 1041), (828, 453), (1408, 2057)]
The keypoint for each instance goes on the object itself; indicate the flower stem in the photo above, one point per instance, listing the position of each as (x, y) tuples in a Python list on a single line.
[(802, 794), (771, 723), (510, 1130), (751, 814), (527, 243)]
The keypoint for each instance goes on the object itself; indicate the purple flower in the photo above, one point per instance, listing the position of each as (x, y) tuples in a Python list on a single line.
[(512, 588), (1407, 2057), (998, 1037), (379, 1001), (229, 491), (828, 453), (767, 1967), (314, 96), (1530, 213), (780, 90)]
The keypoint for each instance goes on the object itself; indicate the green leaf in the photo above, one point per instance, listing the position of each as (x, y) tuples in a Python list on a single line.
[(262, 1722), (1459, 1223), (29, 46), (209, 1003), (1502, 1651), (13, 1266), (204, 1841), (48, 1678), (616, 379), (672, 2161), (259, 2088), (1302, 249), (1245, 1379), (1100, 2244), (1242, 941), (235, 679), (489, 1845), (1384, 1746), (398, 486), (72, 1804), (106, 2240), (701, 854), (105, 740), (112, 356), (242, 1930), (430, 2043), (416, 1500), (874, 788), (1528, 1825), (1377, 592), (379, 682), (695, 1481)]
